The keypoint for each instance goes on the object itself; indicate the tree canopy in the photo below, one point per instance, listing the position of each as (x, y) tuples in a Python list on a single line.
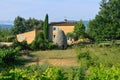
[(79, 29), (106, 25), (22, 25)]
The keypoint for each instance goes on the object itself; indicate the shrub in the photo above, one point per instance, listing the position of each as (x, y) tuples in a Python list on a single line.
[(53, 73), (46, 72), (4, 47), (34, 73), (85, 58), (51, 45), (75, 74), (16, 74), (10, 38), (40, 43), (8, 57), (103, 73), (22, 45)]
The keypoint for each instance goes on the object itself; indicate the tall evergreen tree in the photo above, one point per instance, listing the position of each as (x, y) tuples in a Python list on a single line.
[(46, 28)]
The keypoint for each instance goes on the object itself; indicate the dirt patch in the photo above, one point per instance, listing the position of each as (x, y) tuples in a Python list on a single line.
[(5, 43), (57, 62)]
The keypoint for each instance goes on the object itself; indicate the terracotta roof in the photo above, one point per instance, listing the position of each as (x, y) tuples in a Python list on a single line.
[(62, 23)]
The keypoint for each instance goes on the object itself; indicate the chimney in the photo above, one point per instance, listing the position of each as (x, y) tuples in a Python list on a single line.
[(65, 20)]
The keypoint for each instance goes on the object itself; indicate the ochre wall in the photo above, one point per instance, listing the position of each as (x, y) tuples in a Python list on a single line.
[(66, 29), (28, 36)]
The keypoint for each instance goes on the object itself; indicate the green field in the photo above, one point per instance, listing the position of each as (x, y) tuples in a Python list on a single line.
[(103, 55), (53, 57)]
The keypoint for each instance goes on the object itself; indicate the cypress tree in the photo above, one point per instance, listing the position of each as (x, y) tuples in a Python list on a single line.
[(46, 28)]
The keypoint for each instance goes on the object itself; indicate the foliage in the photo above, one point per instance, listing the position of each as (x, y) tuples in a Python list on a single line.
[(39, 43), (71, 35), (79, 29), (85, 59), (6, 35), (33, 23), (46, 27), (21, 45), (104, 55), (103, 73), (50, 73), (19, 25), (106, 24), (22, 25), (57, 72), (51, 45), (75, 73), (8, 57)]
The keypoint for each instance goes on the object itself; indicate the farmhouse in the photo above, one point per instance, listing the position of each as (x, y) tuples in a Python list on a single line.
[(66, 26)]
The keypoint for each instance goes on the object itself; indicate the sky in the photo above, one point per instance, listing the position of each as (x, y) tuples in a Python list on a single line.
[(57, 10)]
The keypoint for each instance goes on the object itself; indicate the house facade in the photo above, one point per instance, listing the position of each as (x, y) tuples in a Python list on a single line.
[(28, 36), (65, 26), (53, 28)]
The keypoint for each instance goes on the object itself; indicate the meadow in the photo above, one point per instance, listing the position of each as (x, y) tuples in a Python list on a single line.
[(69, 57)]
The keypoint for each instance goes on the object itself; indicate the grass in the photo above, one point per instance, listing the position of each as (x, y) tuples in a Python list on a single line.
[(55, 54), (54, 57), (104, 55)]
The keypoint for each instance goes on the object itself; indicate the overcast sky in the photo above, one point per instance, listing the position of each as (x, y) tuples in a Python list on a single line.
[(56, 9)]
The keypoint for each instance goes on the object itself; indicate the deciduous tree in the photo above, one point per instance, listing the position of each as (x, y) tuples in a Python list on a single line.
[(79, 29), (106, 25)]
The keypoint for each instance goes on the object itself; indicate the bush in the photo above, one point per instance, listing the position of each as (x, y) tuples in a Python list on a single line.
[(40, 43), (8, 57), (50, 73), (103, 73), (46, 72), (51, 45), (15, 74), (10, 38), (75, 73), (22, 45), (57, 72), (4, 47), (85, 58)]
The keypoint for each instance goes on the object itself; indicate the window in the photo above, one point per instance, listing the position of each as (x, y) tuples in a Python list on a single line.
[(69, 39), (56, 28), (21, 38), (54, 36)]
